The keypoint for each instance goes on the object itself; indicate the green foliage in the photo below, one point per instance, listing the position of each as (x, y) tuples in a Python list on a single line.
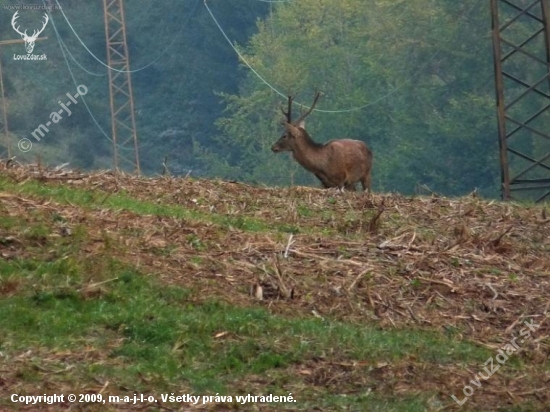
[(420, 73), (175, 97)]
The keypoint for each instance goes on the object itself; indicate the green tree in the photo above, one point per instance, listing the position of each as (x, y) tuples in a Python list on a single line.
[(420, 70), (176, 97)]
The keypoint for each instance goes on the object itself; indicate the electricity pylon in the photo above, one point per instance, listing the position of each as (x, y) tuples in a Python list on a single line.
[(123, 122), (521, 45)]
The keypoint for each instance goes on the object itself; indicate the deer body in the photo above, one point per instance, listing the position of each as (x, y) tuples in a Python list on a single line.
[(338, 163)]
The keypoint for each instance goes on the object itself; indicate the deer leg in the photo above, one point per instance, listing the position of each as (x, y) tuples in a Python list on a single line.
[(365, 182), (325, 185), (324, 181), (350, 187), (349, 182)]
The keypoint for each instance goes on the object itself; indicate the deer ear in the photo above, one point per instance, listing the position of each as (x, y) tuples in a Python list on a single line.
[(302, 124), (293, 130)]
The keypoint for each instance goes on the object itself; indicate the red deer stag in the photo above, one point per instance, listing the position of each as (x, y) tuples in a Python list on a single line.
[(338, 163)]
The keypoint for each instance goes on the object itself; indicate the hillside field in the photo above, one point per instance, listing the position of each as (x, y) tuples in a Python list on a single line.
[(120, 285)]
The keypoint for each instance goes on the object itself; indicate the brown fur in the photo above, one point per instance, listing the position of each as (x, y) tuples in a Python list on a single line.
[(338, 163)]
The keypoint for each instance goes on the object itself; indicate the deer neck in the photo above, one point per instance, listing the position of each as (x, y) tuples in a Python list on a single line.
[(307, 152)]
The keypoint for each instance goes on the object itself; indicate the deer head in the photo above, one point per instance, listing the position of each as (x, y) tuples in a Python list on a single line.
[(293, 129), (29, 40), (340, 163)]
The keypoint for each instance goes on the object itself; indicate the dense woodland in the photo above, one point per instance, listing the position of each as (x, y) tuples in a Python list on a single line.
[(413, 79)]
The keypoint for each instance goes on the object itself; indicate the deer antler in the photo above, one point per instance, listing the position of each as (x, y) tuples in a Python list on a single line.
[(13, 19), (306, 114), (288, 113), (24, 34), (36, 33)]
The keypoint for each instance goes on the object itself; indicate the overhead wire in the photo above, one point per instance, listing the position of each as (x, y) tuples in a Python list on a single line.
[(77, 63), (241, 56), (353, 109), (74, 79), (64, 50), (175, 37), (357, 108)]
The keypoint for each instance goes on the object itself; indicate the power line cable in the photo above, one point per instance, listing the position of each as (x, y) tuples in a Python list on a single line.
[(301, 104), (74, 79), (77, 63), (141, 68), (245, 61)]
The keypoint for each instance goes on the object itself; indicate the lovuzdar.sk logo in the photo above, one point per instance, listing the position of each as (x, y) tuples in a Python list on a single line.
[(29, 40)]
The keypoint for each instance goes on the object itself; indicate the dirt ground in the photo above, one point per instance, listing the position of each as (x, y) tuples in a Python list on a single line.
[(473, 268)]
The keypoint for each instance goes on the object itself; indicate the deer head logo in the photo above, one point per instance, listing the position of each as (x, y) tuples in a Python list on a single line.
[(29, 40)]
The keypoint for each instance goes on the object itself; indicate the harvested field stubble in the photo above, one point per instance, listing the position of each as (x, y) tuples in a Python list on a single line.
[(470, 268)]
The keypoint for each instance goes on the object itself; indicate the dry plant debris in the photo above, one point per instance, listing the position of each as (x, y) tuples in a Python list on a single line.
[(473, 266)]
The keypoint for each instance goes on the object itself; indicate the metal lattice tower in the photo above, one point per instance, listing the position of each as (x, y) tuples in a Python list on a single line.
[(521, 44), (123, 123)]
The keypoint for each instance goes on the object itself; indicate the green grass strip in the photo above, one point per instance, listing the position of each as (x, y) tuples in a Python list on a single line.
[(121, 201)]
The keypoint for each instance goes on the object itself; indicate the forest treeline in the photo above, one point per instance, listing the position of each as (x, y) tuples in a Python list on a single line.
[(412, 79)]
